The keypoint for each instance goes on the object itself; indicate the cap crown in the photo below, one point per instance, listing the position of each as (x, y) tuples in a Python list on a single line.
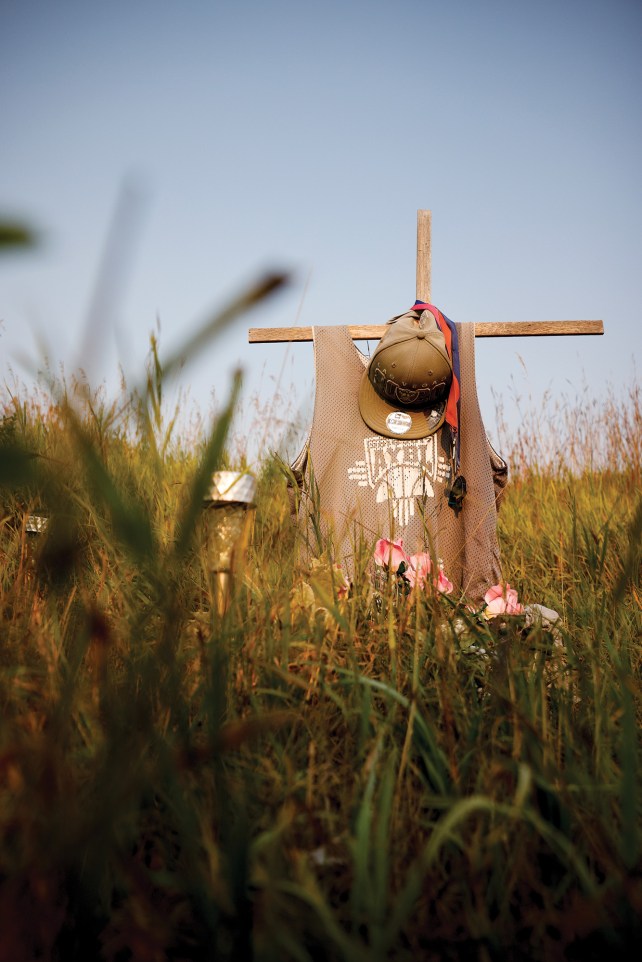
[(411, 367)]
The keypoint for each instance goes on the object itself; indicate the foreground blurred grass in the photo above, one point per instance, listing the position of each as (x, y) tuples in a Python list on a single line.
[(310, 778)]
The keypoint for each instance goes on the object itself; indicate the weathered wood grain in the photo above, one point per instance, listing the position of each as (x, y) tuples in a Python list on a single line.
[(424, 256), (372, 332)]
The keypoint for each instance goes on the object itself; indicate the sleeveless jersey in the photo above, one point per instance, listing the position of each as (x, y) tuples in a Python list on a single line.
[(358, 486)]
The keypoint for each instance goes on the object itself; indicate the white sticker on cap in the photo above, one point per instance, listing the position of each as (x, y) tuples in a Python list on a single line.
[(399, 422)]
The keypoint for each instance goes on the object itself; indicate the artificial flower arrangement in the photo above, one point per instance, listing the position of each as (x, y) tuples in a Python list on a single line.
[(325, 584), (418, 571), (322, 592), (408, 574), (415, 571)]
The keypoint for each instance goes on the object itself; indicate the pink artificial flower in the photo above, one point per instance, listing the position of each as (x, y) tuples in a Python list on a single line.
[(389, 554), (502, 600), (419, 566), (443, 584)]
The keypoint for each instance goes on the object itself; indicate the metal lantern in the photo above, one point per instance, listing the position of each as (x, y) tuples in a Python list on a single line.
[(228, 518)]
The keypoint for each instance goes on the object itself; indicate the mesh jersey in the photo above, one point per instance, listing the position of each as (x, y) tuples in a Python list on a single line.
[(358, 486)]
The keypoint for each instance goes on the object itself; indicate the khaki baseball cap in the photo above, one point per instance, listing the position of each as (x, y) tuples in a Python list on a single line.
[(404, 390)]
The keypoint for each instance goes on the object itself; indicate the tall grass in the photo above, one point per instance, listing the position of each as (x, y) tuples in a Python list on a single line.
[(310, 777)]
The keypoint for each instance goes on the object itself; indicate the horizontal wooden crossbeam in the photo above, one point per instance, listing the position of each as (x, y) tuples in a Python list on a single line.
[(372, 332)]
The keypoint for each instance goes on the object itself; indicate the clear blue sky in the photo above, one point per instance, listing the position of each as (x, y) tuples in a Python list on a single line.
[(304, 136)]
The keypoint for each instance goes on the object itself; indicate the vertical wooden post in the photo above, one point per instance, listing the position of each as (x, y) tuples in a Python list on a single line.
[(424, 258)]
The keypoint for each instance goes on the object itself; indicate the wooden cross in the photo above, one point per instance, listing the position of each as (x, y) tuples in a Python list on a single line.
[(275, 335)]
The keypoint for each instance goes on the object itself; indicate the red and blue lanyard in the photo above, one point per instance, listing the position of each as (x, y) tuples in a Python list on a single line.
[(448, 329)]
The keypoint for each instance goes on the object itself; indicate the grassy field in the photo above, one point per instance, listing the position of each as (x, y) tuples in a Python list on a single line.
[(311, 777)]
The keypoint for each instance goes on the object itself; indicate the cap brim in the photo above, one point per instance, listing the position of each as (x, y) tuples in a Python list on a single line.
[(396, 422)]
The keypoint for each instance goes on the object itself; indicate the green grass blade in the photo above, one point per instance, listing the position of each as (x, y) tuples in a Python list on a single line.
[(215, 326), (208, 464)]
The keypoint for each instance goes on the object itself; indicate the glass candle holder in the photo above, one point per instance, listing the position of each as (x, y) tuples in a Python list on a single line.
[(228, 519)]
